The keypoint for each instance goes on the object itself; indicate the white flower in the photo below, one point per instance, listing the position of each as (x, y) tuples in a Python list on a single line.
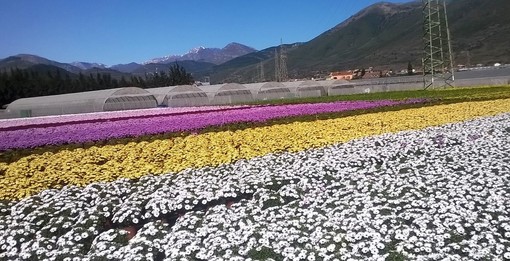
[(433, 192)]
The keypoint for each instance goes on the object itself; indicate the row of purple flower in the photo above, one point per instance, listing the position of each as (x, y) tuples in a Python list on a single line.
[(55, 120), (132, 127)]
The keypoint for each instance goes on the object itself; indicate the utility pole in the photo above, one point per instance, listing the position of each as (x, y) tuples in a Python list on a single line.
[(437, 58)]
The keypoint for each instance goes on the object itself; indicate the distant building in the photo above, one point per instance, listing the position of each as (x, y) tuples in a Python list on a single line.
[(343, 75), (389, 73), (372, 74)]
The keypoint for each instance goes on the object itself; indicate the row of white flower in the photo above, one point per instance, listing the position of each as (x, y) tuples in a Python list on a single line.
[(437, 194)]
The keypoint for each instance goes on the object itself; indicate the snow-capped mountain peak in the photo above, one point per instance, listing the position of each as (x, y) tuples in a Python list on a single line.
[(196, 49), (203, 54), (86, 65)]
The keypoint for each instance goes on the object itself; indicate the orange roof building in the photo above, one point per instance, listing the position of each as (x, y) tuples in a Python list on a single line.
[(342, 75)]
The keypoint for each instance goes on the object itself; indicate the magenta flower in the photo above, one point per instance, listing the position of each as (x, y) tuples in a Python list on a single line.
[(57, 133)]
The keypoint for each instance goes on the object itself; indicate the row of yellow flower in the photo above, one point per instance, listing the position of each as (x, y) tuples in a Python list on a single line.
[(34, 173)]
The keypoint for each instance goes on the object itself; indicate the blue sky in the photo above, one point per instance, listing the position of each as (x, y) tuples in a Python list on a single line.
[(123, 31)]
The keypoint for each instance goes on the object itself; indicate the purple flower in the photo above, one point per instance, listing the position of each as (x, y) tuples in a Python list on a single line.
[(57, 133)]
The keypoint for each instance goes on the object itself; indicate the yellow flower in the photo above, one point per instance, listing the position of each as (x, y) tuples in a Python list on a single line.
[(77, 165)]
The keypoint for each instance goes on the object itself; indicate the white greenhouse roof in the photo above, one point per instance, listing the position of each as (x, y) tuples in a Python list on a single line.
[(98, 96), (94, 101), (174, 89), (296, 85), (292, 85), (214, 89), (168, 92), (256, 88), (310, 84), (330, 83), (273, 85)]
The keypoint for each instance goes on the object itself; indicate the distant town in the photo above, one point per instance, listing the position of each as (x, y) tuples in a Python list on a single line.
[(371, 73)]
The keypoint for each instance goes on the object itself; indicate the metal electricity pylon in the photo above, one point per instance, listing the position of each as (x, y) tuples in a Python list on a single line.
[(283, 63), (280, 58), (262, 77), (277, 72), (437, 58)]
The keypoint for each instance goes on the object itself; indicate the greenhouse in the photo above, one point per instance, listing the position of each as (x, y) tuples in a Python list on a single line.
[(307, 89), (180, 96), (270, 91), (339, 87), (230, 93), (128, 98)]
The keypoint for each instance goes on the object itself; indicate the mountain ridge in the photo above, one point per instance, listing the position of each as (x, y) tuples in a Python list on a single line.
[(389, 36), (87, 65), (383, 35), (23, 61), (210, 55)]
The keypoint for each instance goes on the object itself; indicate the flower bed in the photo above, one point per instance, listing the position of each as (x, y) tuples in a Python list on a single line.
[(156, 124), (9, 124), (434, 194), (30, 174)]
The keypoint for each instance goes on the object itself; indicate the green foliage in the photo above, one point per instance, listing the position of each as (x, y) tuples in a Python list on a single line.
[(179, 76), (176, 75), (452, 94), (409, 68), (264, 254), (387, 39), (455, 237), (39, 81), (396, 256), (49, 80)]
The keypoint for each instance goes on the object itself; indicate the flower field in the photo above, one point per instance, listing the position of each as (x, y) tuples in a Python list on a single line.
[(417, 183), (56, 131), (55, 120)]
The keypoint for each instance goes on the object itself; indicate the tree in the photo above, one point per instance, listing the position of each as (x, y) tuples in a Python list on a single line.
[(178, 76), (123, 82), (21, 83), (409, 68), (363, 72)]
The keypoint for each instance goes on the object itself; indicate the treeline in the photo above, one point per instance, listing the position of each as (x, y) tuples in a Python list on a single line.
[(23, 83)]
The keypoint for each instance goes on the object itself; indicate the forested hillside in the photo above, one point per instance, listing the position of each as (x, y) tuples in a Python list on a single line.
[(41, 80)]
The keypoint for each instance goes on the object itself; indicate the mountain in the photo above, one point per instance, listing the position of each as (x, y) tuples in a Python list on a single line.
[(126, 68), (386, 36), (389, 35), (209, 55), (197, 69), (86, 66), (25, 61), (480, 31), (383, 36), (248, 68), (113, 73), (45, 68)]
